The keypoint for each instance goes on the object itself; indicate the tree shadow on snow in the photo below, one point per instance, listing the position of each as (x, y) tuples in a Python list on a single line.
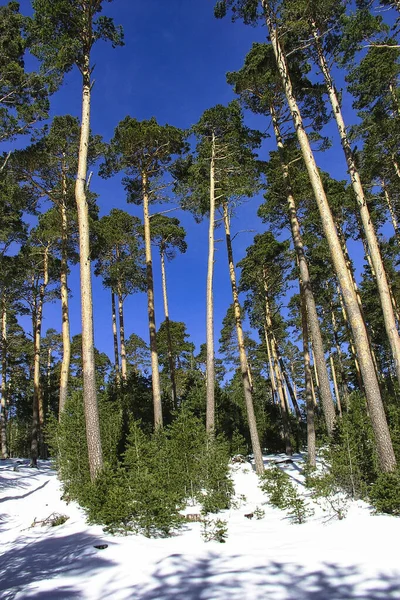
[(215, 578), (72, 554)]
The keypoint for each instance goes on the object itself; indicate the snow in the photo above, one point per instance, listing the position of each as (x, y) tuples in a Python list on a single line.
[(262, 559)]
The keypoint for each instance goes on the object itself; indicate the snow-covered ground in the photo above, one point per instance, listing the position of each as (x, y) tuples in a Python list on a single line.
[(268, 559)]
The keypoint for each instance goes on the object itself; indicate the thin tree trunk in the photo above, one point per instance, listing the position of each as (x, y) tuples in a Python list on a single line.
[(171, 360), (244, 367), (391, 212), (351, 343), (89, 371), (210, 369), (369, 230), (38, 409), (122, 335), (335, 385), (155, 376), (66, 337), (271, 368), (343, 383), (281, 396), (311, 446), (115, 338), (318, 347), (3, 415), (291, 390), (384, 445)]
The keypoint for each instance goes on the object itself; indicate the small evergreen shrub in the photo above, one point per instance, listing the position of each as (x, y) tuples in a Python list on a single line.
[(385, 493), (259, 513), (326, 492), (214, 530), (284, 495)]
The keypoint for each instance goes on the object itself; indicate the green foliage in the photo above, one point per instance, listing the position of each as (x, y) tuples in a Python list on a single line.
[(326, 492), (351, 453), (384, 494), (284, 495), (214, 530), (159, 473)]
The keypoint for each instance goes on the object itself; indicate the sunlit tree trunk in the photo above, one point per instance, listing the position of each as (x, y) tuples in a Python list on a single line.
[(122, 335), (3, 415), (210, 369), (271, 368), (384, 445), (89, 373), (318, 348), (155, 376), (115, 338), (369, 230), (244, 367), (171, 360), (335, 385), (278, 379), (66, 337), (391, 212), (311, 446)]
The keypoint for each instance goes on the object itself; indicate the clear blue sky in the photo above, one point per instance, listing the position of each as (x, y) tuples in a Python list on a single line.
[(173, 67)]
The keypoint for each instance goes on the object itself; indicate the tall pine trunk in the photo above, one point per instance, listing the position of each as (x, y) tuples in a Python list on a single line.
[(38, 409), (391, 212), (271, 368), (122, 334), (66, 336), (155, 376), (318, 347), (171, 360), (210, 368), (244, 367), (89, 373), (369, 230), (311, 446), (3, 415), (278, 378), (387, 459), (115, 339)]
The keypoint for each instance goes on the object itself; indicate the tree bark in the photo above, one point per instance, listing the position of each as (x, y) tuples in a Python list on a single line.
[(210, 369), (171, 360), (122, 335), (89, 372), (66, 337), (290, 388), (244, 367), (391, 212), (38, 409), (311, 446), (317, 343), (3, 415), (384, 445), (271, 368), (279, 386), (155, 376), (369, 230), (335, 385), (115, 339)]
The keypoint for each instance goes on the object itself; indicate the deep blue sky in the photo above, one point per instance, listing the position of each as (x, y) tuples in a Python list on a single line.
[(172, 67)]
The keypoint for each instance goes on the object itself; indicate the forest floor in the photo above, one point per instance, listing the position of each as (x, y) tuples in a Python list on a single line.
[(269, 558)]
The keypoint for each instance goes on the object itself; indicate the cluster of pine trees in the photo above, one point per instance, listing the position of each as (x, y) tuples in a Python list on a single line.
[(322, 359)]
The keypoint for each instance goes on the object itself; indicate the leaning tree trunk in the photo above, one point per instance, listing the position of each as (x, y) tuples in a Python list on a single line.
[(271, 368), (335, 385), (115, 338), (311, 446), (369, 230), (3, 415), (89, 373), (155, 376), (290, 388), (210, 369), (244, 367), (171, 360), (278, 379), (317, 343), (387, 459), (391, 212), (66, 337)]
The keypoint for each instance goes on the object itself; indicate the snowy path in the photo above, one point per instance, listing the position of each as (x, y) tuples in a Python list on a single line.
[(267, 559)]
